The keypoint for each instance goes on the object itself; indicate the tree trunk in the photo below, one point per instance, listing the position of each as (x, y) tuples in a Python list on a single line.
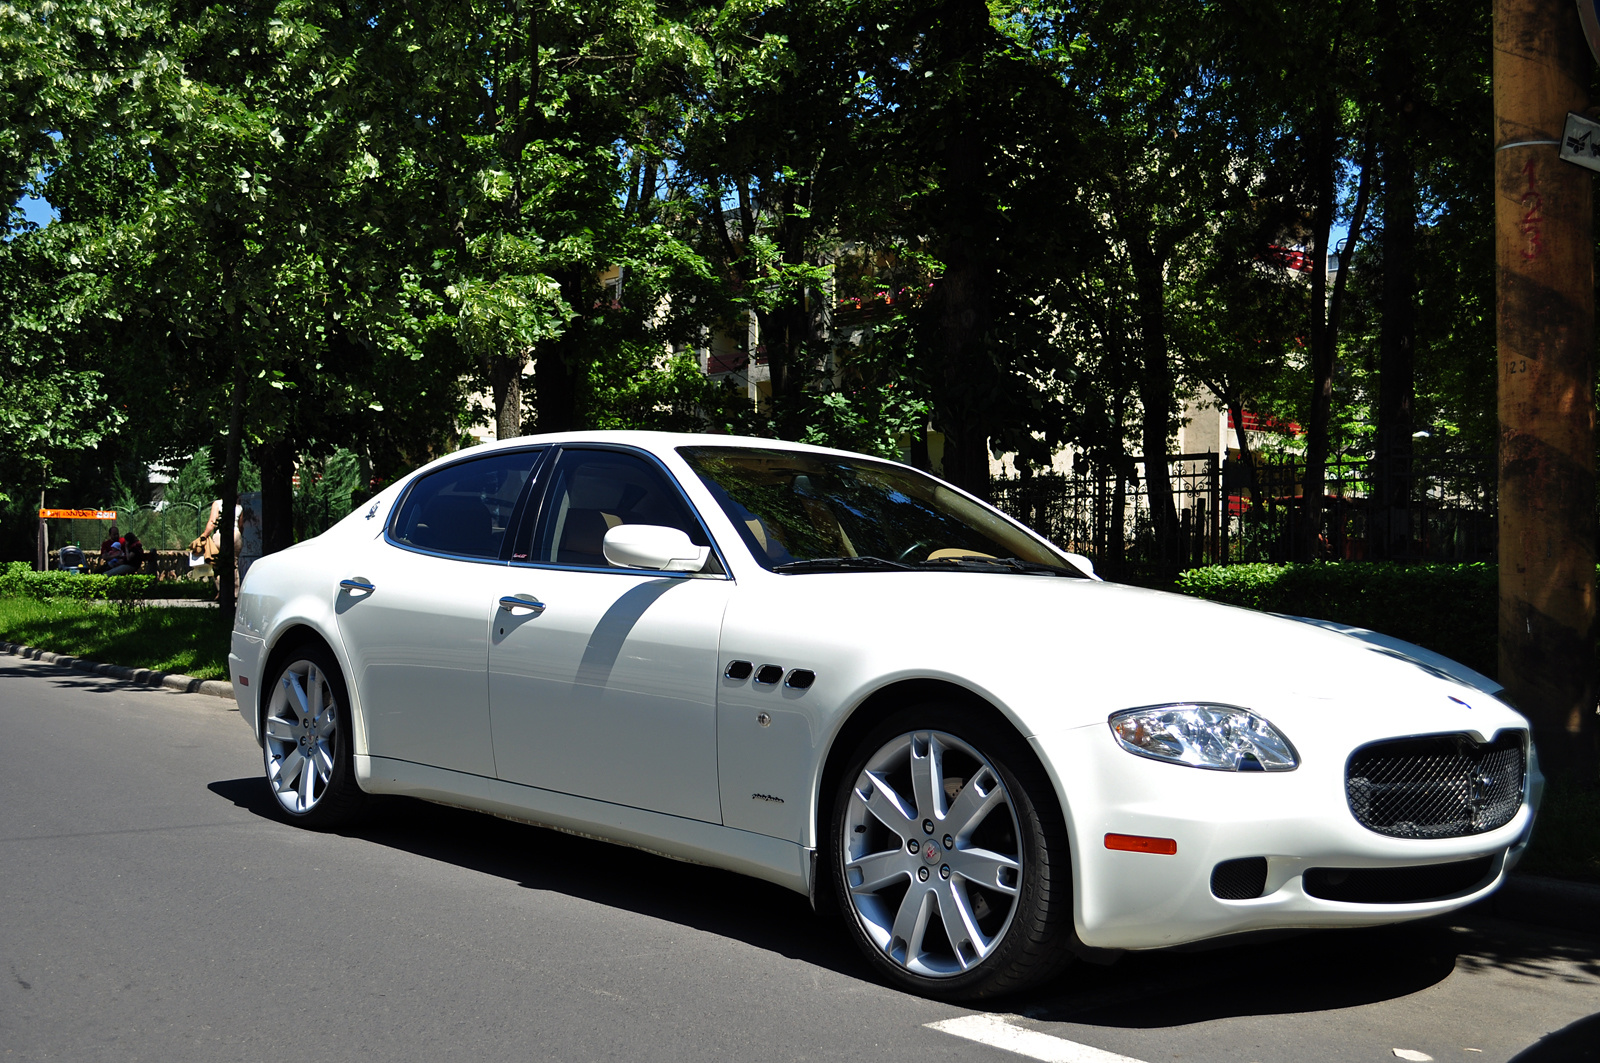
[(1544, 303), (1325, 327), (276, 460), (1155, 385), (1390, 533), (227, 522), (961, 317), (505, 381)]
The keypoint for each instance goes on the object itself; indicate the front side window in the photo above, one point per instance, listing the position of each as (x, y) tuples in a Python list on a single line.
[(464, 509), (593, 491), (798, 511)]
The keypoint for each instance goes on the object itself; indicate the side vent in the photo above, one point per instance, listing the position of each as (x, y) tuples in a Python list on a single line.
[(1239, 880)]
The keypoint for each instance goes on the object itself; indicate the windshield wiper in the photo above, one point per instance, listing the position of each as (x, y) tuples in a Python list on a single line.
[(842, 564), (1011, 564)]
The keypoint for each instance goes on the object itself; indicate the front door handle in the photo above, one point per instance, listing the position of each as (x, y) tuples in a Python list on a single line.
[(522, 601), (357, 583)]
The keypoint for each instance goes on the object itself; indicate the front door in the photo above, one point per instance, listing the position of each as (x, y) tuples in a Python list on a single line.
[(606, 688)]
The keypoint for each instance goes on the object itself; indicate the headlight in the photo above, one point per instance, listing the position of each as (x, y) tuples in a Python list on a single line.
[(1220, 737)]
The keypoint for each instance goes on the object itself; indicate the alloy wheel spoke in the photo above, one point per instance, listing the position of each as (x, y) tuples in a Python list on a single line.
[(288, 769), (314, 681), (308, 774), (323, 725), (878, 870), (990, 870), (911, 922), (889, 807), (927, 776), (297, 692), (322, 758), (960, 925), (281, 729), (976, 799)]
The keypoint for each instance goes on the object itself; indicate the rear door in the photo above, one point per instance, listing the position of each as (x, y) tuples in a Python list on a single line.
[(415, 608)]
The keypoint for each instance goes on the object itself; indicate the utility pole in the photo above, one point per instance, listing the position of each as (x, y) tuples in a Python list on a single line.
[(1544, 310)]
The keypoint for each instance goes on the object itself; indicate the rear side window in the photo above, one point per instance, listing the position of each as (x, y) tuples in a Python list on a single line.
[(465, 509)]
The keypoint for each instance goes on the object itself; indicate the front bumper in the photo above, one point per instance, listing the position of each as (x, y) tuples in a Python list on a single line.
[(1296, 820)]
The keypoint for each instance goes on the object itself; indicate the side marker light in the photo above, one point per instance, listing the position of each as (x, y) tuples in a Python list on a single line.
[(1138, 843)]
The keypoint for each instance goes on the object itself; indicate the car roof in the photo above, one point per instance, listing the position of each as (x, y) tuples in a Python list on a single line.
[(662, 442)]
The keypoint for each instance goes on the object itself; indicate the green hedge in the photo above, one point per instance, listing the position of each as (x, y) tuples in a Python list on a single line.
[(1450, 609), (18, 580)]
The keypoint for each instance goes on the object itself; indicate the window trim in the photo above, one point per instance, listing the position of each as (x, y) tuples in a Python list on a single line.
[(518, 510), (535, 512)]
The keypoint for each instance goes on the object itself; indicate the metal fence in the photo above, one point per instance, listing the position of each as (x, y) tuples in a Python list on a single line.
[(1104, 512), (1224, 514)]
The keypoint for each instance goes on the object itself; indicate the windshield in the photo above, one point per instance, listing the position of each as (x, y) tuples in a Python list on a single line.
[(794, 509)]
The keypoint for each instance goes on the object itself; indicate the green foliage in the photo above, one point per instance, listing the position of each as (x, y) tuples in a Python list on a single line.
[(327, 493), (1450, 609)]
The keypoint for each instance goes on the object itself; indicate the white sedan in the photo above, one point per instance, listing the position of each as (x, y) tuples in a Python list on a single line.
[(844, 676)]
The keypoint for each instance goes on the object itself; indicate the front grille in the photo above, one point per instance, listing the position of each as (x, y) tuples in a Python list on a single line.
[(1396, 885), (1441, 786)]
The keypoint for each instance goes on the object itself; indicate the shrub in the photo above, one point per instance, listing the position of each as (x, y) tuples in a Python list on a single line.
[(18, 580), (1450, 609)]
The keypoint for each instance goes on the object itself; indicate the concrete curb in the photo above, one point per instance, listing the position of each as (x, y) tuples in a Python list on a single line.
[(184, 684)]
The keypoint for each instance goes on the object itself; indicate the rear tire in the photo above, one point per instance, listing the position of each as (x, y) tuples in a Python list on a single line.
[(306, 741), (948, 858)]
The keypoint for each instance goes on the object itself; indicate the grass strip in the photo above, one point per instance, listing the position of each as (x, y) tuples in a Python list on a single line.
[(186, 641)]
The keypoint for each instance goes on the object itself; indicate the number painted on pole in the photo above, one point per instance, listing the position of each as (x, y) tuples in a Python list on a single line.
[(1516, 365), (1532, 224)]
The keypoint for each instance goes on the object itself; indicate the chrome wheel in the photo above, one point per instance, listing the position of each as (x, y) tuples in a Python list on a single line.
[(931, 856), (301, 731)]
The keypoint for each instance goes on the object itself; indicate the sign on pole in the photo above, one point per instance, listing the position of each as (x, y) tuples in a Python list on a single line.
[(1580, 142), (78, 514)]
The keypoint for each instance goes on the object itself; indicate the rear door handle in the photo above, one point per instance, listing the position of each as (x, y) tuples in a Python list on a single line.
[(522, 601), (357, 583)]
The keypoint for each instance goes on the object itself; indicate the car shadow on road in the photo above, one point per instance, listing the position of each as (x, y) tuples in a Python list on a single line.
[(1305, 972), (719, 902), (1312, 971)]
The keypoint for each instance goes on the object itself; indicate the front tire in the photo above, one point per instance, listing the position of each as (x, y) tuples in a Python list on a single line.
[(948, 857), (306, 746)]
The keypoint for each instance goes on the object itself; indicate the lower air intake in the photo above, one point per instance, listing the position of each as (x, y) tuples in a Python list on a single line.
[(1397, 885), (1239, 880)]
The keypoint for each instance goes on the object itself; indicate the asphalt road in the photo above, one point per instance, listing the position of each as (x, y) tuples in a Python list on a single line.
[(152, 906)]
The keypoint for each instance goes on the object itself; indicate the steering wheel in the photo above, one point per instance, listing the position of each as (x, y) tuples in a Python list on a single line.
[(905, 555)]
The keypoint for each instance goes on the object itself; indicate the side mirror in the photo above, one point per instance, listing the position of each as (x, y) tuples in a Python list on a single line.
[(653, 546), (1084, 565)]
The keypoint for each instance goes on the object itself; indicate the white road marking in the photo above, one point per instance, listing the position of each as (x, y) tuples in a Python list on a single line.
[(1413, 1055), (996, 1032)]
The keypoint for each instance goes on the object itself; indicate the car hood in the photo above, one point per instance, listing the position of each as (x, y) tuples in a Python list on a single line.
[(1059, 653)]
